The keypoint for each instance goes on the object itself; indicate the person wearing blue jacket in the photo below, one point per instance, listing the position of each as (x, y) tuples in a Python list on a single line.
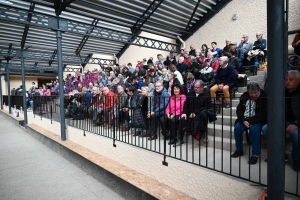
[(86, 103), (260, 44), (157, 109), (225, 79)]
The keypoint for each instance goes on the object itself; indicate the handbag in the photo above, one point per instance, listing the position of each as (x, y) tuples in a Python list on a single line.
[(138, 119)]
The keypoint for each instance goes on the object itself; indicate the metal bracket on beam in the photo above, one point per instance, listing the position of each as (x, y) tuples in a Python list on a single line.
[(53, 24), (70, 69), (22, 53)]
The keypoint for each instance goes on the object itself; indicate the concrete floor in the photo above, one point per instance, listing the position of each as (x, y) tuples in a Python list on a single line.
[(30, 170)]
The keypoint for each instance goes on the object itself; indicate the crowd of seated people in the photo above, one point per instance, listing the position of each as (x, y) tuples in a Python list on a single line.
[(174, 95)]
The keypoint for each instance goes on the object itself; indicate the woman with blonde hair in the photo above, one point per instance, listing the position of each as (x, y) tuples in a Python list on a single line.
[(174, 70)]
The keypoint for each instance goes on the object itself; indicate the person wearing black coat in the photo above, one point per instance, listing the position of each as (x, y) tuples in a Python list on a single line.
[(208, 77), (195, 108), (251, 114)]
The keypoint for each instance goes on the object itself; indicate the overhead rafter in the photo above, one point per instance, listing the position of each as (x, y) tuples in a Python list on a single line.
[(34, 67), (86, 37), (70, 59), (42, 20), (25, 32), (136, 28), (192, 16), (86, 60), (53, 56), (30, 74), (205, 18), (10, 54)]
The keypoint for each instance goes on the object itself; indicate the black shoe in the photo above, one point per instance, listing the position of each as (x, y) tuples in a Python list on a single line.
[(253, 160), (153, 137), (296, 165), (172, 142), (137, 133), (227, 105), (145, 135), (286, 158), (178, 143), (237, 154)]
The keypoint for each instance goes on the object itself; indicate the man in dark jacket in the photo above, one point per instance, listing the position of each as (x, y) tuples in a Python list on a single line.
[(181, 66), (251, 114), (195, 109), (292, 114), (225, 79), (129, 105)]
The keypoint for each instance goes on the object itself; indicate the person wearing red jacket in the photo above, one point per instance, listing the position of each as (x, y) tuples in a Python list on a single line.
[(109, 99)]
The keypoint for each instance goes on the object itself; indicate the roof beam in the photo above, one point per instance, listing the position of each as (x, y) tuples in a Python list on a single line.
[(41, 20), (192, 16), (34, 67), (30, 74), (67, 59), (86, 37), (26, 29), (86, 60), (53, 56), (136, 28), (206, 17), (10, 53)]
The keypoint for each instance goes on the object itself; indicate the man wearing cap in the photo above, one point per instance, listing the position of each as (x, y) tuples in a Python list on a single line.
[(240, 52)]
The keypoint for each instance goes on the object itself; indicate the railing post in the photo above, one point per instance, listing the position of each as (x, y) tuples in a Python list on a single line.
[(8, 88), (23, 54), (1, 97), (276, 125)]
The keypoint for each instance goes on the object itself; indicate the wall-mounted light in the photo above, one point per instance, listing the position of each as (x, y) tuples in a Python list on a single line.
[(235, 16)]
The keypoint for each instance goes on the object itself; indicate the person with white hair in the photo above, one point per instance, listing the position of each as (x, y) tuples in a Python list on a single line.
[(260, 43), (225, 79), (181, 66)]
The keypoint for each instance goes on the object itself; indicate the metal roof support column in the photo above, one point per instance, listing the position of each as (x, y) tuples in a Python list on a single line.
[(59, 25), (1, 98), (276, 125), (61, 85), (23, 54)]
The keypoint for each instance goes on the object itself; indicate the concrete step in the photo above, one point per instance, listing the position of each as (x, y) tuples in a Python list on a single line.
[(225, 144), (228, 112), (226, 120)]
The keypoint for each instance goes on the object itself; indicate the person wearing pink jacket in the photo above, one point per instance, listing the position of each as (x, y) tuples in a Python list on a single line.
[(173, 112)]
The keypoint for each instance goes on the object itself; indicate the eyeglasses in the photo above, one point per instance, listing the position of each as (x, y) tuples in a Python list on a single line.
[(158, 85)]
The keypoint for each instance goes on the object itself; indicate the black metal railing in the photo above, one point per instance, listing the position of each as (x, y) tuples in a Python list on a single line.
[(109, 119), (15, 101)]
